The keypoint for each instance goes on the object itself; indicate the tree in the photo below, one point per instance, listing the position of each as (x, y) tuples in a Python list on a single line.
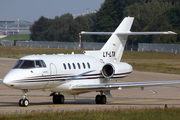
[(150, 15), (168, 21), (38, 28), (144, 14), (109, 16), (61, 27)]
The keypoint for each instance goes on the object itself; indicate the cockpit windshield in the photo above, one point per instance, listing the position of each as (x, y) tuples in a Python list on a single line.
[(29, 64)]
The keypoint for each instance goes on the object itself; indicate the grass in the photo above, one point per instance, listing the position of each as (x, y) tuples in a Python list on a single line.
[(114, 114), (153, 61), (18, 52), (142, 61), (150, 55), (17, 37)]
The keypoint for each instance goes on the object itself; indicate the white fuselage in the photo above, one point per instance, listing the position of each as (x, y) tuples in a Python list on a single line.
[(61, 73)]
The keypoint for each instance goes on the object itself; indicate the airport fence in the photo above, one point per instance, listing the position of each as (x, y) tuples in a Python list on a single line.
[(74, 45), (6, 42), (53, 44), (173, 48)]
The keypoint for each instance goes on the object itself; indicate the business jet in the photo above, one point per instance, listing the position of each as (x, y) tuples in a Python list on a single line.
[(75, 74)]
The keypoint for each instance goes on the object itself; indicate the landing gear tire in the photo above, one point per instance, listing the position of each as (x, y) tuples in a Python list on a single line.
[(61, 99), (55, 99), (24, 102), (58, 99), (103, 99), (100, 99), (21, 102)]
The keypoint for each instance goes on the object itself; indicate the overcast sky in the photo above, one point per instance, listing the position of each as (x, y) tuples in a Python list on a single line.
[(32, 9)]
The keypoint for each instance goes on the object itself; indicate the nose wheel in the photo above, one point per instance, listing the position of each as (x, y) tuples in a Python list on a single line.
[(24, 102)]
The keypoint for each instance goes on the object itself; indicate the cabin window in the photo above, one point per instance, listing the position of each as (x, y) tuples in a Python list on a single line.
[(27, 64), (74, 66), (18, 64), (38, 64), (64, 66), (88, 65), (69, 66), (43, 63), (84, 66), (79, 66)]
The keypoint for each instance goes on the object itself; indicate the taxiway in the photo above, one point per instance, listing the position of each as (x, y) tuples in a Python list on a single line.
[(126, 98)]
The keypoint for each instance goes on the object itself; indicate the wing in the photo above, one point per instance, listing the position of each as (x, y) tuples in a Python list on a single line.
[(1, 80), (110, 86)]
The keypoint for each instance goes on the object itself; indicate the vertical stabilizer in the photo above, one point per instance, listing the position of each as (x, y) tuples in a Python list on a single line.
[(114, 47)]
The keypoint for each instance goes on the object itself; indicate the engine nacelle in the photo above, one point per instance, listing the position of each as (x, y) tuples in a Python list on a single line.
[(108, 70), (116, 70)]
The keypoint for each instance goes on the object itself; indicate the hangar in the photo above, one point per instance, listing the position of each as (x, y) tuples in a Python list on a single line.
[(10, 27)]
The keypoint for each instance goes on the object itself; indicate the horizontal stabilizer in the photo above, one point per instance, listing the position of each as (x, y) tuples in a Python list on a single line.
[(146, 33), (96, 33), (127, 33)]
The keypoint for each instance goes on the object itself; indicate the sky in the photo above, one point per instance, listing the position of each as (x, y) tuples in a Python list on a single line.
[(33, 9)]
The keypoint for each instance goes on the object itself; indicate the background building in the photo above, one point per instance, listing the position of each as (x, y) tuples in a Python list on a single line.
[(10, 27)]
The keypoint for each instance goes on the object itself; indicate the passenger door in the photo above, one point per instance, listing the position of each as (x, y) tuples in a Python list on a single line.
[(53, 75)]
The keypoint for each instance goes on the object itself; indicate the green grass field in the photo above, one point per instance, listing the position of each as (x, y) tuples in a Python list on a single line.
[(17, 37), (153, 61), (113, 114)]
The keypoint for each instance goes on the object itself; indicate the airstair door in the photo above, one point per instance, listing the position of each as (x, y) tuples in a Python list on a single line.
[(52, 76)]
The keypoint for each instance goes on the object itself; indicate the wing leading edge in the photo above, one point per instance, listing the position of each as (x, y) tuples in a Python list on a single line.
[(110, 86)]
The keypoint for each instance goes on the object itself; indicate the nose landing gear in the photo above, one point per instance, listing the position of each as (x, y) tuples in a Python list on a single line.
[(24, 102)]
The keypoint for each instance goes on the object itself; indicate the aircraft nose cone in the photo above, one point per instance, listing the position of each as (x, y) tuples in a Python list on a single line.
[(7, 82), (11, 78)]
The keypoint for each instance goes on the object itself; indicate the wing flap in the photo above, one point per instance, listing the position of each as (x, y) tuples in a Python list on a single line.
[(110, 86)]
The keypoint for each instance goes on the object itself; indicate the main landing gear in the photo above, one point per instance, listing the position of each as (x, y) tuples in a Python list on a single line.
[(58, 99), (24, 102), (100, 99)]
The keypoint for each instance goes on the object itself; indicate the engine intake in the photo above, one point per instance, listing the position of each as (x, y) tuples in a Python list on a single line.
[(108, 70)]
